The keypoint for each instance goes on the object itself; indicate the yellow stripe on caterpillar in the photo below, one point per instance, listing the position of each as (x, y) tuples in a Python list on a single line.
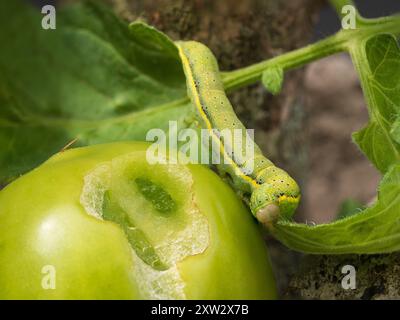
[(197, 102), (270, 190)]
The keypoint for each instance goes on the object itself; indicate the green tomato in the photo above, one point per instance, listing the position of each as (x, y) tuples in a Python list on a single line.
[(101, 222)]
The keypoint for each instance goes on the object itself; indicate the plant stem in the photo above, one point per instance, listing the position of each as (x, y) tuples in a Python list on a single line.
[(339, 42), (294, 59)]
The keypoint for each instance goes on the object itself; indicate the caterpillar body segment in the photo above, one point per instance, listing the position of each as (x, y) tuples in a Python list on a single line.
[(270, 192)]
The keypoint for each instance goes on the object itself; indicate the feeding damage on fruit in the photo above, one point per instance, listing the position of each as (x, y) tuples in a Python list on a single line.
[(156, 208)]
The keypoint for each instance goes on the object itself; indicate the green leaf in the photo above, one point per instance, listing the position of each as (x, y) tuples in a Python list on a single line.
[(378, 63), (272, 79), (93, 78), (375, 230)]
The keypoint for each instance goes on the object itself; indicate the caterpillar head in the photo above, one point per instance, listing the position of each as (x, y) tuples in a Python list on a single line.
[(277, 197)]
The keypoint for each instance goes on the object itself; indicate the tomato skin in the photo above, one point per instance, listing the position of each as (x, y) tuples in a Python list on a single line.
[(42, 223)]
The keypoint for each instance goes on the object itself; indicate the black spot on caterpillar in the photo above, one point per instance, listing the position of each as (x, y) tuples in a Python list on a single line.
[(269, 190)]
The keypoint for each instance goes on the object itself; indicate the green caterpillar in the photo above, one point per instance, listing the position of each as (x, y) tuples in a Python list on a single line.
[(269, 191)]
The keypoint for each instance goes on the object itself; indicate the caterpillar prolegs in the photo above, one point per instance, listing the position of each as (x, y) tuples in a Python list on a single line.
[(269, 190)]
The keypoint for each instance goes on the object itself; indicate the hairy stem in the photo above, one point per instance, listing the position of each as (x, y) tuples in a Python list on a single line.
[(339, 42), (294, 59)]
